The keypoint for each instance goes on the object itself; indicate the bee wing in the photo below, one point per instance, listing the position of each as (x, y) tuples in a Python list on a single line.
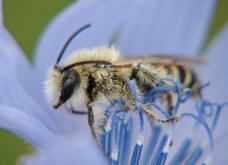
[(156, 60)]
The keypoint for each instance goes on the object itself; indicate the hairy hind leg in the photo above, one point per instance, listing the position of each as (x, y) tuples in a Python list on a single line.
[(168, 99), (152, 116)]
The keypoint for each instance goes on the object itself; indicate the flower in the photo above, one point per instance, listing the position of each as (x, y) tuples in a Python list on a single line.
[(162, 29)]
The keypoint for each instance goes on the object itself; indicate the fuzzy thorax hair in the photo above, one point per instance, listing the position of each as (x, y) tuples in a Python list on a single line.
[(100, 53), (53, 83)]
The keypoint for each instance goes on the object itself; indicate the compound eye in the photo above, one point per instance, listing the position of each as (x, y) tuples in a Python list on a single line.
[(70, 83)]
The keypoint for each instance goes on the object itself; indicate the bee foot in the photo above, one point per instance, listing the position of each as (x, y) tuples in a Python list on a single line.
[(173, 119)]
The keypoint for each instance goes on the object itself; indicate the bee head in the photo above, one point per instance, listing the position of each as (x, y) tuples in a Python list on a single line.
[(60, 86), (61, 82)]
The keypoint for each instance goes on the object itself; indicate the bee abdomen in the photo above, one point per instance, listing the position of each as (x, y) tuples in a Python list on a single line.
[(187, 77)]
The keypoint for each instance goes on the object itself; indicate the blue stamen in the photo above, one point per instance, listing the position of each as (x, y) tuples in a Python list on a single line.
[(203, 123), (118, 129), (185, 95), (137, 102), (204, 108), (114, 154), (182, 96), (126, 143), (170, 136), (115, 128), (163, 155), (201, 88), (108, 130), (179, 156), (217, 113), (114, 162), (178, 101), (136, 154), (162, 158), (159, 149), (121, 143), (107, 141), (207, 161), (194, 157), (162, 87), (151, 145), (167, 116)]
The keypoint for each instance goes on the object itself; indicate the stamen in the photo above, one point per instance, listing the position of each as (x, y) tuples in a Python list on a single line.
[(194, 157), (203, 123), (170, 136), (137, 102), (162, 87), (114, 120), (206, 108), (201, 88), (114, 154), (114, 157), (151, 145), (167, 116), (185, 95), (107, 139), (182, 96), (122, 142), (207, 161), (118, 129), (137, 152), (217, 113), (163, 155), (159, 150), (162, 158), (179, 156), (124, 155)]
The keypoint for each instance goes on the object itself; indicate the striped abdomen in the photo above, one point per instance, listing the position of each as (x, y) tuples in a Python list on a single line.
[(186, 76)]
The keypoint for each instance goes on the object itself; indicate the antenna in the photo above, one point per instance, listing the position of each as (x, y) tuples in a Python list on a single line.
[(69, 40)]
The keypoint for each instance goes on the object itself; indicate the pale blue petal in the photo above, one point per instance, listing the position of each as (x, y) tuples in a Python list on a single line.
[(30, 129), (21, 88), (13, 93), (78, 150), (173, 27), (220, 152), (216, 73), (217, 59), (18, 83), (17, 66), (18, 79), (149, 26)]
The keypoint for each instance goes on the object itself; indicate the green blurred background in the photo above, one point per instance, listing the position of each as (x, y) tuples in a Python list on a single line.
[(25, 19)]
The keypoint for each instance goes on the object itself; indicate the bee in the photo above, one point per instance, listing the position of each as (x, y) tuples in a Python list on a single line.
[(99, 75)]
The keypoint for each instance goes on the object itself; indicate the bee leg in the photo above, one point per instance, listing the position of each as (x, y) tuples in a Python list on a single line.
[(79, 112), (152, 116), (173, 119), (91, 119), (169, 99), (91, 125)]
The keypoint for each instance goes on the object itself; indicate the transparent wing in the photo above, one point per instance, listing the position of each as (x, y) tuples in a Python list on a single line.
[(156, 60)]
